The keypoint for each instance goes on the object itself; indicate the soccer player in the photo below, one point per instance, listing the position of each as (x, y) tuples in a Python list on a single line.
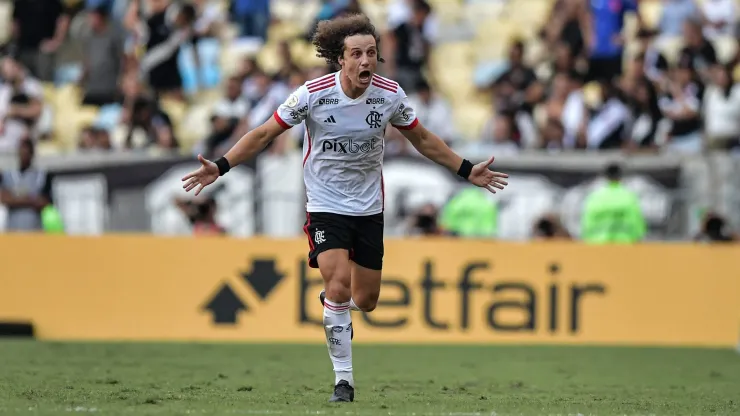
[(346, 114)]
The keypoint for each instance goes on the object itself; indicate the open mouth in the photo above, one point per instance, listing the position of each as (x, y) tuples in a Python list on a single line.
[(365, 76)]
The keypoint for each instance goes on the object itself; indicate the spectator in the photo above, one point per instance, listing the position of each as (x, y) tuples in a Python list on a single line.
[(674, 14), (517, 88), (607, 45), (563, 62), (433, 111), (287, 64), (647, 115), (264, 99), (699, 49), (201, 213), (721, 110), (549, 227), (252, 17), (655, 65), (681, 103), (148, 126), (209, 20), (25, 192), (39, 28), (497, 137), (470, 213), (21, 104), (400, 12), (720, 17), (715, 230), (159, 65), (634, 73), (226, 116), (612, 213), (407, 48), (567, 25), (567, 105), (103, 60), (92, 138), (424, 222), (608, 126), (553, 136)]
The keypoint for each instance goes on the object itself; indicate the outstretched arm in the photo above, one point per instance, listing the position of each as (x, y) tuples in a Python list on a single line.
[(435, 149), (246, 148), (432, 146), (293, 111), (254, 141)]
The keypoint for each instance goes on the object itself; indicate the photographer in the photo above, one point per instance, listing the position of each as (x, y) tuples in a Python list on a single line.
[(715, 230), (549, 227), (202, 216)]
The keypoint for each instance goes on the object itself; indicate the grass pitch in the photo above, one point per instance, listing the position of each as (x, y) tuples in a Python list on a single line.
[(211, 379)]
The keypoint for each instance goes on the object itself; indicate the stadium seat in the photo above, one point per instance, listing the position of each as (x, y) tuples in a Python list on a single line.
[(726, 47), (592, 94), (670, 47), (6, 14), (196, 124), (176, 111), (470, 119), (650, 12)]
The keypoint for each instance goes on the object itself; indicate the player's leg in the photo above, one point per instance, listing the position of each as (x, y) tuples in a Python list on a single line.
[(330, 240), (335, 269), (367, 262), (365, 287)]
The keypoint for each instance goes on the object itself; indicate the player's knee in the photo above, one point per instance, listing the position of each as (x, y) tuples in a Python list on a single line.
[(338, 287), (367, 302)]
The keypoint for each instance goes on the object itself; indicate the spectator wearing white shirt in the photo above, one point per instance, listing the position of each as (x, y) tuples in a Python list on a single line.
[(574, 114), (722, 109), (647, 115), (434, 111), (719, 17), (401, 11), (682, 105), (226, 116), (407, 47), (608, 127), (21, 104)]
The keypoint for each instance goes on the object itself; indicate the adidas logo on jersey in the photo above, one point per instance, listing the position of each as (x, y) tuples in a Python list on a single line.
[(330, 120)]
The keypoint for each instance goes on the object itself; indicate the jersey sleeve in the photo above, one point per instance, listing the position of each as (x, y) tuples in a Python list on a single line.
[(404, 118), (294, 109)]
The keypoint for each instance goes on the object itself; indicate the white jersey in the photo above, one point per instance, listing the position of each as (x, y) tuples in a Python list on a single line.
[(344, 141)]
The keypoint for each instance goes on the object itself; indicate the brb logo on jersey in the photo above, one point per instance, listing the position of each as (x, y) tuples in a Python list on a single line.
[(328, 101), (375, 101), (296, 114), (373, 119), (350, 146)]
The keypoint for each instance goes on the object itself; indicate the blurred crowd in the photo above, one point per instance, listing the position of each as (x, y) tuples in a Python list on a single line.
[(591, 86), (595, 87)]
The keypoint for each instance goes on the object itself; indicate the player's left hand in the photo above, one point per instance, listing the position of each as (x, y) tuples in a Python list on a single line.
[(486, 178)]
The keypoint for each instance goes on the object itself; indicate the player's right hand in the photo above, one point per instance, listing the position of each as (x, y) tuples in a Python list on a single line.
[(204, 176)]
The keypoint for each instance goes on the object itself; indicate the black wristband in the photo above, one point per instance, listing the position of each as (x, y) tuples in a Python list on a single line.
[(223, 166), (465, 169)]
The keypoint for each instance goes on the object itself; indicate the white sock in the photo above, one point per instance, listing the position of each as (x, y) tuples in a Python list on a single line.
[(353, 306), (338, 327)]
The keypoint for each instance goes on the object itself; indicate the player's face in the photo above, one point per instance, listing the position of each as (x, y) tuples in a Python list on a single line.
[(360, 59)]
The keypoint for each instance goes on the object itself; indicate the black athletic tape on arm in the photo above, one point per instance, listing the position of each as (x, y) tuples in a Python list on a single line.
[(223, 166), (465, 169)]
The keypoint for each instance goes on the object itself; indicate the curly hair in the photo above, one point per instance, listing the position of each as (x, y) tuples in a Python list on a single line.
[(330, 35)]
